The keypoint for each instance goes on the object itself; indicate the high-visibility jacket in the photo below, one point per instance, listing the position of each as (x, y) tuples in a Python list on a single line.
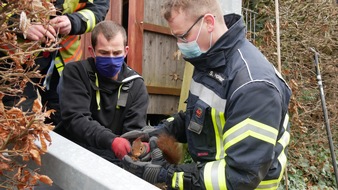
[(236, 121), (83, 15)]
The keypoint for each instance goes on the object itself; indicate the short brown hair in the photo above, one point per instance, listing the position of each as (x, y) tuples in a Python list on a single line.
[(193, 8), (109, 29)]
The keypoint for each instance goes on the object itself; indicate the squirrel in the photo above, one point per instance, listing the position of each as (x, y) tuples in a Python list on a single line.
[(172, 150), (138, 148)]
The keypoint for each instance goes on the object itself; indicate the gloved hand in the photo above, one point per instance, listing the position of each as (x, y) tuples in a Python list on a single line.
[(143, 133), (146, 170), (121, 147), (152, 171)]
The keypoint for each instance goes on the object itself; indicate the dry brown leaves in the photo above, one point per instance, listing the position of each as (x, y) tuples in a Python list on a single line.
[(20, 131), (306, 25)]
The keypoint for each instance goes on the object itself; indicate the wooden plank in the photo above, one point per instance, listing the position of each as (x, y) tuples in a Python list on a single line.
[(187, 76), (114, 13), (162, 65), (164, 90), (135, 34), (162, 104), (156, 28)]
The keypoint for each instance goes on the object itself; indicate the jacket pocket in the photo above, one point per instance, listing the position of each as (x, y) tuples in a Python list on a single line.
[(201, 132)]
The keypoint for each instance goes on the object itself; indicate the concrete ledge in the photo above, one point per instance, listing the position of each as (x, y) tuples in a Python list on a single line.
[(72, 167)]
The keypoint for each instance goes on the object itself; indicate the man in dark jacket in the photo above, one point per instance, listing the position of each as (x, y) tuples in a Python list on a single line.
[(236, 121), (101, 97)]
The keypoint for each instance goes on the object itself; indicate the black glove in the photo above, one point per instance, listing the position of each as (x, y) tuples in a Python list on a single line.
[(143, 133), (153, 171)]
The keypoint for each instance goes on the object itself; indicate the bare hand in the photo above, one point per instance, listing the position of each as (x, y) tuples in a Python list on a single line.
[(61, 24), (38, 32)]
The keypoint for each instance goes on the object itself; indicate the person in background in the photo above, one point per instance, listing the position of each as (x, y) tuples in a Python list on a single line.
[(102, 98), (72, 19), (236, 122)]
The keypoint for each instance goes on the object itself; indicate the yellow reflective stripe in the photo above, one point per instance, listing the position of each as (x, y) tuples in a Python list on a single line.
[(89, 15), (76, 53), (268, 185), (218, 123), (214, 175), (69, 6), (59, 65), (247, 128), (71, 49), (98, 98), (118, 96), (170, 119), (284, 141), (177, 180)]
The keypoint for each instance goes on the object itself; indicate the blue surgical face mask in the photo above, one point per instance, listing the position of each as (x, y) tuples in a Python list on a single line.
[(108, 66), (192, 49)]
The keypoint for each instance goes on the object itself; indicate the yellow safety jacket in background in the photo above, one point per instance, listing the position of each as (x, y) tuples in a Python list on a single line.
[(83, 15)]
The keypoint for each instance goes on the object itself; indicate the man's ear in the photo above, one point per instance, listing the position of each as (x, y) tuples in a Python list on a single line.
[(209, 19), (126, 50), (91, 51)]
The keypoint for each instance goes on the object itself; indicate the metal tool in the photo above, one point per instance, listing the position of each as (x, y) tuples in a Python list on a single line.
[(326, 119)]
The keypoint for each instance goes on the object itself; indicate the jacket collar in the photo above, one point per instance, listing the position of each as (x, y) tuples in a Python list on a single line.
[(215, 57)]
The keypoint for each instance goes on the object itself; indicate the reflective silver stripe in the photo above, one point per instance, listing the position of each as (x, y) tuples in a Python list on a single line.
[(280, 76), (284, 141), (265, 81), (218, 123), (286, 121), (177, 180), (246, 64), (252, 128), (268, 185), (131, 78), (214, 175), (208, 96)]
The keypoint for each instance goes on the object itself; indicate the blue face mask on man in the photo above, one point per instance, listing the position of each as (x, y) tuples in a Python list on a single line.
[(108, 66), (192, 49)]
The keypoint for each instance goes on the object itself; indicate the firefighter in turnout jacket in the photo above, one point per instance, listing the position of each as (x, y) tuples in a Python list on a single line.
[(236, 122), (73, 18)]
